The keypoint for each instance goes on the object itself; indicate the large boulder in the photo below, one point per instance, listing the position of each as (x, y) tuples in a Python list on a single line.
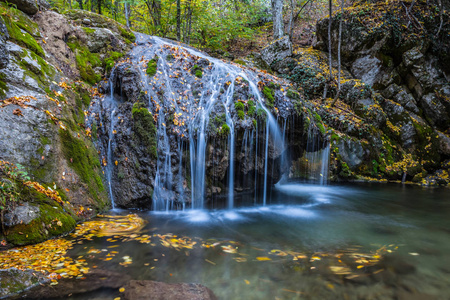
[(146, 289), (23, 214), (27, 6), (276, 51)]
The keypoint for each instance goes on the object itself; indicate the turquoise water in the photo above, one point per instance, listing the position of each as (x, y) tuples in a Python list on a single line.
[(359, 241)]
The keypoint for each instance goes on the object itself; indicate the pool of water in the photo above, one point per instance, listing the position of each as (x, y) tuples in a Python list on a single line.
[(359, 241)]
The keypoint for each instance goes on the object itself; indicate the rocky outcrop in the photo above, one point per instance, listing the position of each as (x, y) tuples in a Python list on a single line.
[(276, 51), (46, 155), (407, 79), (27, 6)]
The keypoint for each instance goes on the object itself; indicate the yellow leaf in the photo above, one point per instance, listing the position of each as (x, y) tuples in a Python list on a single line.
[(246, 281), (122, 290), (263, 258)]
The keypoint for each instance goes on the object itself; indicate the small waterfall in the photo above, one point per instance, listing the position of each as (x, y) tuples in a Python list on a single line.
[(317, 157), (109, 152), (110, 166)]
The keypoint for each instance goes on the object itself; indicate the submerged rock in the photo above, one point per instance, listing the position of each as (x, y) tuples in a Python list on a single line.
[(146, 289)]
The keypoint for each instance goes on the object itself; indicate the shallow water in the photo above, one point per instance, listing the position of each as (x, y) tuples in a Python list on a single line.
[(360, 241)]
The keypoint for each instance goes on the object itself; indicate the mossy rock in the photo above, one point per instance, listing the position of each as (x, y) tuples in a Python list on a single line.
[(109, 62), (269, 94), (3, 87), (144, 128), (84, 161), (101, 21), (54, 220), (152, 66), (19, 29), (86, 61), (197, 71)]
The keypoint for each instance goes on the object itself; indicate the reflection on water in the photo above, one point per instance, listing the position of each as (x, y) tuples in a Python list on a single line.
[(332, 242)]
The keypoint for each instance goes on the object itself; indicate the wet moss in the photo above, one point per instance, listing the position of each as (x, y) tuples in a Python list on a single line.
[(269, 94), (261, 114), (143, 127), (197, 71), (251, 108), (111, 60), (239, 106), (224, 130), (152, 66), (84, 161), (241, 114)]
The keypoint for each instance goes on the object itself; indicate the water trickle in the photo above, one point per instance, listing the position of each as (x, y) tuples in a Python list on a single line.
[(317, 157)]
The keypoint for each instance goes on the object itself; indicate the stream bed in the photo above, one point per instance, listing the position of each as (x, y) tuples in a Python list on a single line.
[(359, 241)]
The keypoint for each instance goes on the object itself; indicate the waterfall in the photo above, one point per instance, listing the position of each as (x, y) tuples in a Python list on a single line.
[(317, 157), (194, 100), (109, 152)]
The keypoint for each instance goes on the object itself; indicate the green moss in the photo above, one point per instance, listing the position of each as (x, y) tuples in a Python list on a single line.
[(83, 160), (269, 95), (198, 71), (88, 30), (241, 62), (143, 127), (255, 123), (225, 130), (127, 34), (251, 108), (111, 60), (86, 62), (46, 225), (3, 86), (293, 94), (152, 66), (261, 114), (239, 106), (241, 114), (22, 38)]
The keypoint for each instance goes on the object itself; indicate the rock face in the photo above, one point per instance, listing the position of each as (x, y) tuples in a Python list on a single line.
[(408, 80), (42, 122), (276, 51), (146, 289)]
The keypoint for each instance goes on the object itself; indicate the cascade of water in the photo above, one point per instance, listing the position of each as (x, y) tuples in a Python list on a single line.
[(266, 162), (217, 86), (324, 165), (317, 157), (109, 158), (109, 154), (256, 165)]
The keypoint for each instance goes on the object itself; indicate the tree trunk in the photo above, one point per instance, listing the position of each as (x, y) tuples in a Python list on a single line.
[(99, 5), (277, 18), (178, 20), (80, 3), (127, 13), (339, 53), (291, 21), (330, 79)]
